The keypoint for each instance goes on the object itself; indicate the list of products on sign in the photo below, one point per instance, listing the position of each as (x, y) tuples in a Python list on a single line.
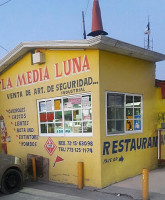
[(21, 126), (27, 137)]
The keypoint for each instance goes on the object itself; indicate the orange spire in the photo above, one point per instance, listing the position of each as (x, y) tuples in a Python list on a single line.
[(97, 27)]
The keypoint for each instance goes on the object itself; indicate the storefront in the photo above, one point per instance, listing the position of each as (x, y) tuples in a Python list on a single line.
[(91, 100)]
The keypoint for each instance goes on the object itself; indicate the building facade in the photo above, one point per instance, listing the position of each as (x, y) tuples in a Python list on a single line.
[(92, 101)]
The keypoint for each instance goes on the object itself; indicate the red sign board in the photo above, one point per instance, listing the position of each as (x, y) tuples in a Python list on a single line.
[(50, 146)]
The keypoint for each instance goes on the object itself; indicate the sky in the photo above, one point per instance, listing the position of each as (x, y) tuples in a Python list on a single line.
[(46, 20)]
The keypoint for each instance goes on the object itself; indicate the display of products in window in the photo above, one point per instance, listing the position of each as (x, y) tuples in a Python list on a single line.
[(129, 123), (87, 127), (69, 116), (57, 104), (86, 101), (49, 105), (44, 117), (43, 128), (50, 128), (124, 113), (87, 114), (77, 115), (58, 116), (58, 128), (77, 127), (42, 106)]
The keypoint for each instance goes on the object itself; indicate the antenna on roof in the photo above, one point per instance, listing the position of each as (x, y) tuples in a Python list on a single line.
[(148, 44), (84, 31)]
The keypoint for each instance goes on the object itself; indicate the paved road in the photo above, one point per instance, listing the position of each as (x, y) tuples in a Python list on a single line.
[(130, 189), (53, 191)]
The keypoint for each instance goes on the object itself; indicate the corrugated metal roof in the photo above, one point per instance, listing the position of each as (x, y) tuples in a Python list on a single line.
[(99, 42)]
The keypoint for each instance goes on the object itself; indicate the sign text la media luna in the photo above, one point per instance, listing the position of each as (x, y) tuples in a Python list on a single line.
[(69, 67)]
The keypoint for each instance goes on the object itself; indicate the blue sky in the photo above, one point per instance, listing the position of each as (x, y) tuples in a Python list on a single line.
[(42, 20)]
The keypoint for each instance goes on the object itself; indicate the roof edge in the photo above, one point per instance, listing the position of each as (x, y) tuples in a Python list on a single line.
[(99, 42)]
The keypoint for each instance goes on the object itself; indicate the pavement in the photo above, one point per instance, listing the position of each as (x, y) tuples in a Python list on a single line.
[(133, 186), (129, 189)]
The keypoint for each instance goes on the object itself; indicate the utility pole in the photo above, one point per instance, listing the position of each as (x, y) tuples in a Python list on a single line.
[(84, 31)]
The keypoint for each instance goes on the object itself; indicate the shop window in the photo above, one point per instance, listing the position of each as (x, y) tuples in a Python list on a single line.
[(123, 113), (66, 116)]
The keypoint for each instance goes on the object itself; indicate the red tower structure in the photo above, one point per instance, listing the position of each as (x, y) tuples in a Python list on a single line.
[(97, 27)]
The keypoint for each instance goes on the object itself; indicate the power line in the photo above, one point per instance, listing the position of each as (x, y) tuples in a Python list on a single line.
[(87, 7), (4, 48), (5, 2)]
